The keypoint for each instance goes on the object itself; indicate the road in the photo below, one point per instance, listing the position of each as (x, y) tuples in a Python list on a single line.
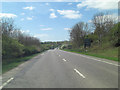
[(61, 69)]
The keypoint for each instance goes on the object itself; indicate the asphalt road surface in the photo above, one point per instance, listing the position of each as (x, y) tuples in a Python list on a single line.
[(61, 69)]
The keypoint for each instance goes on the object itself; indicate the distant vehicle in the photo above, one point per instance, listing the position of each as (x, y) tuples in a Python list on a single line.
[(52, 48), (69, 46)]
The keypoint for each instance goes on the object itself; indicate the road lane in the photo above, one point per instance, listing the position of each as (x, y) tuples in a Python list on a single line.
[(60, 69), (48, 72), (97, 72)]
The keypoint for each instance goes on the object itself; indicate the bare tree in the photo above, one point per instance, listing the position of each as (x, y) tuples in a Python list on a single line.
[(78, 33), (7, 25), (102, 22), (10, 30)]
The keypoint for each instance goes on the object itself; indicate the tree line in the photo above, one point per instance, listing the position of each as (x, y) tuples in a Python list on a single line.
[(16, 44), (105, 30)]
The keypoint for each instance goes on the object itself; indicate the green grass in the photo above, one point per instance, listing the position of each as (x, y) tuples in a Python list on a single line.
[(15, 62), (110, 54)]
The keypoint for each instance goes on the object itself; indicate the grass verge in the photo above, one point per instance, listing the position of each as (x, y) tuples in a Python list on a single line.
[(15, 62), (105, 54)]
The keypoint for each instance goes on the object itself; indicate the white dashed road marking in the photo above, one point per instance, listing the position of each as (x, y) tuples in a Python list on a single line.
[(64, 60), (4, 84), (79, 73)]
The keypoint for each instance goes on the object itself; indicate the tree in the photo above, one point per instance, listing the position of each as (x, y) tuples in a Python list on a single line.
[(7, 25), (103, 22), (11, 48), (14, 42), (78, 33)]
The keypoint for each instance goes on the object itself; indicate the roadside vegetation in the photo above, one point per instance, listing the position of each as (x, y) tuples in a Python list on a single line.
[(17, 46), (15, 62), (103, 33)]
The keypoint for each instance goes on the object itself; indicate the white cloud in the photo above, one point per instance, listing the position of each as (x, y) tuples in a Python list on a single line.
[(47, 4), (46, 29), (59, 0), (29, 18), (110, 17), (7, 15), (52, 15), (22, 13), (69, 3), (89, 21), (41, 35), (22, 19), (42, 25), (25, 31), (40, 0), (99, 4), (71, 14), (113, 17), (29, 8), (67, 29), (22, 31), (76, 0), (65, 0), (52, 10)]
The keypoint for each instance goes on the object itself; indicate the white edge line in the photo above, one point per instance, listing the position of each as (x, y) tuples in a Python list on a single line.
[(99, 60), (96, 59), (64, 60), (79, 73), (43, 54), (6, 83)]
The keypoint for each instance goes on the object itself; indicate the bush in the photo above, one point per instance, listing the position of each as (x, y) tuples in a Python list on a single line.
[(11, 47), (29, 50), (114, 35)]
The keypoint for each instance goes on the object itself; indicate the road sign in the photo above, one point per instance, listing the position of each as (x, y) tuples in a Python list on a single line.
[(87, 42)]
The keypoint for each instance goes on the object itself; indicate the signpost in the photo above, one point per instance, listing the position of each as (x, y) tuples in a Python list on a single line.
[(87, 42)]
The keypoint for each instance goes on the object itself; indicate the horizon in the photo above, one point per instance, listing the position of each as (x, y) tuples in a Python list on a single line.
[(51, 21)]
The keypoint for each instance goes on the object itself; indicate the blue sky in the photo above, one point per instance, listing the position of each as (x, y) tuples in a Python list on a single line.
[(51, 21)]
